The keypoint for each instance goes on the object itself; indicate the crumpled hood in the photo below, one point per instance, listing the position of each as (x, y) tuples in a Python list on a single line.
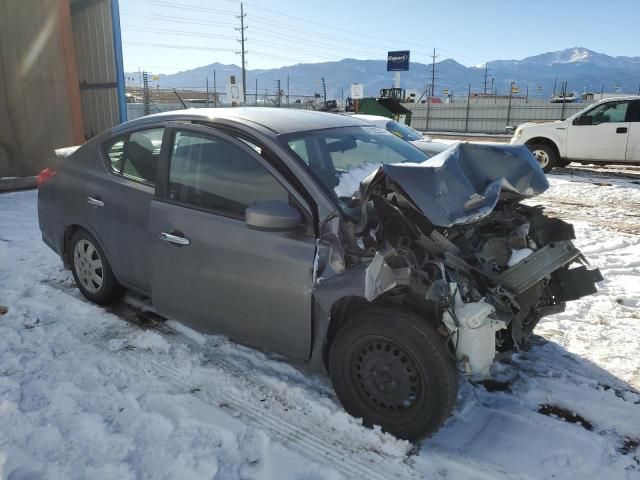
[(464, 183)]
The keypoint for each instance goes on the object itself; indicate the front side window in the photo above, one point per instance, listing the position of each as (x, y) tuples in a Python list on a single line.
[(342, 157), (214, 174), (609, 113), (136, 155)]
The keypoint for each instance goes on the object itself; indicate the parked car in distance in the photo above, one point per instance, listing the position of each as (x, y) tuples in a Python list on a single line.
[(607, 131), (405, 132), (230, 221)]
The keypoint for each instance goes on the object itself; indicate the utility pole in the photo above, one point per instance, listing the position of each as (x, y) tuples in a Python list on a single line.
[(256, 92), (215, 90), (287, 90), (324, 92), (433, 73), (207, 92), (145, 92), (278, 91), (509, 108), (243, 52), (555, 84), (486, 76)]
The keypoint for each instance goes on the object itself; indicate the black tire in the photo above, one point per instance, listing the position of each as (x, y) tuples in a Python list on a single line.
[(109, 290), (392, 369), (545, 154)]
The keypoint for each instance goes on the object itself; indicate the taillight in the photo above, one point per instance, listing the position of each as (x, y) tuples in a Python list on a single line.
[(45, 175)]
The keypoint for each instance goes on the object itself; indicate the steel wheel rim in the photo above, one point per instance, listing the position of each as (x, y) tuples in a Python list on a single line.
[(542, 157), (88, 266), (387, 377)]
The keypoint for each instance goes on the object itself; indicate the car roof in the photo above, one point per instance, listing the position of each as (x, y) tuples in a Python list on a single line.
[(278, 120), (371, 118)]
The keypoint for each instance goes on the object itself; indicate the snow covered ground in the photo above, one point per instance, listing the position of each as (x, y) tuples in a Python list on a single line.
[(92, 393)]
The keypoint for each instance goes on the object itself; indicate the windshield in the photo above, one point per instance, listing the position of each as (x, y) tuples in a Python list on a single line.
[(403, 131), (342, 157)]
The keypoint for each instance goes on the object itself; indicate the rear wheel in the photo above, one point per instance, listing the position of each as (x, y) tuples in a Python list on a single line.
[(545, 154), (91, 270), (391, 369)]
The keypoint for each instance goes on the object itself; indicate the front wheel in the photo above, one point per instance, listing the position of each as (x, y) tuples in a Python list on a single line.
[(545, 155), (392, 369)]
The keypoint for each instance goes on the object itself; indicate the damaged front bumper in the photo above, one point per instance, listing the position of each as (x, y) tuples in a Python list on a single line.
[(449, 239)]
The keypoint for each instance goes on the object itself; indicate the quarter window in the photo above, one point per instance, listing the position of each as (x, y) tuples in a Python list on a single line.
[(214, 174), (136, 155)]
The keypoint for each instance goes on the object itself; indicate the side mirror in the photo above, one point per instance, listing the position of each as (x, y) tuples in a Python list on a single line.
[(583, 120), (272, 215)]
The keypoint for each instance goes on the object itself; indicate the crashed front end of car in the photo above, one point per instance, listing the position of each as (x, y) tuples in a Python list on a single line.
[(450, 238)]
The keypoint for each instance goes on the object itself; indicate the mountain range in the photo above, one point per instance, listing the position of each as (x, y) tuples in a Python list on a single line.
[(581, 68)]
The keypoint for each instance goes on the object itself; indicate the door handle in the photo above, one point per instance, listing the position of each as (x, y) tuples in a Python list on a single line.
[(621, 130), (95, 202), (174, 239)]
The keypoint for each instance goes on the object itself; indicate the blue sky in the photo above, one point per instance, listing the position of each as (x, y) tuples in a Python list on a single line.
[(165, 36)]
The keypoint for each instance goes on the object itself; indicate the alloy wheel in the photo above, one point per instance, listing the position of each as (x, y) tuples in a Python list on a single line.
[(88, 266), (542, 157)]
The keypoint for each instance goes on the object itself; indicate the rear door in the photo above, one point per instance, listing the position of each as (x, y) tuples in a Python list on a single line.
[(605, 139), (633, 142), (118, 202), (223, 277)]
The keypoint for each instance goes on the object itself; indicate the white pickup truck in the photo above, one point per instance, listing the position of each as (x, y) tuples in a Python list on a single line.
[(607, 131)]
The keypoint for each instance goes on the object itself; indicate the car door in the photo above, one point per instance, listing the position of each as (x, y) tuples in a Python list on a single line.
[(119, 200), (633, 142), (215, 273), (605, 138)]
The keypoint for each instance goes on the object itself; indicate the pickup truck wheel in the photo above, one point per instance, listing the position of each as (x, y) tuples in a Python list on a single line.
[(390, 368), (545, 155), (91, 270)]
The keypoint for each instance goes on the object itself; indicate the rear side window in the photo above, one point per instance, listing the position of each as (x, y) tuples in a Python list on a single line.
[(135, 155), (214, 174)]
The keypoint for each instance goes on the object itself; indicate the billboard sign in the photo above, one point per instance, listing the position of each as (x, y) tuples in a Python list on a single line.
[(398, 61), (357, 91)]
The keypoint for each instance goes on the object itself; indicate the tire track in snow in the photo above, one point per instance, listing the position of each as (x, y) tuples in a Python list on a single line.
[(299, 431)]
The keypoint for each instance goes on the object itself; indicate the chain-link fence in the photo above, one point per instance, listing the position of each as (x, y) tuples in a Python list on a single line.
[(141, 101), (469, 115)]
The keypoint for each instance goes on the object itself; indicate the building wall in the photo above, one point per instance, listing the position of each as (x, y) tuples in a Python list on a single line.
[(39, 94), (93, 33), (61, 79)]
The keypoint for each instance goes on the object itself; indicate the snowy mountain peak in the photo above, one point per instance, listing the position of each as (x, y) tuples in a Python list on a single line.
[(576, 54)]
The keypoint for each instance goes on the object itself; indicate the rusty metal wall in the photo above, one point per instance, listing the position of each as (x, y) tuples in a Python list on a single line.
[(93, 33), (39, 95)]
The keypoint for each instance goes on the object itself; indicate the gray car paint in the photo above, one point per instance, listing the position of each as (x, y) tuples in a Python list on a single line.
[(199, 286), (252, 285)]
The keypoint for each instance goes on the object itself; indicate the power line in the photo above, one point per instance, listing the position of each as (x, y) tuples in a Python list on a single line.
[(184, 6), (178, 32), (332, 27), (172, 19)]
